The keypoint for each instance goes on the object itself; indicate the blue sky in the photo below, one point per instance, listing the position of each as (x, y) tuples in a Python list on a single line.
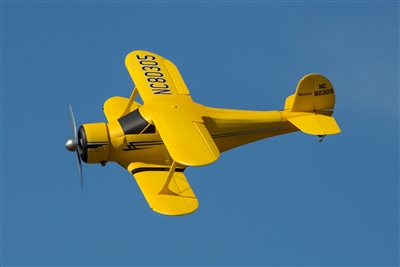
[(287, 200)]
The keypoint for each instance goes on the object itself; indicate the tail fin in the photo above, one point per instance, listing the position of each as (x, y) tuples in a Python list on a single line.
[(311, 107)]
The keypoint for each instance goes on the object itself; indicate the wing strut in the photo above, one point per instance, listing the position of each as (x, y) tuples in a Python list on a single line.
[(165, 189), (130, 102)]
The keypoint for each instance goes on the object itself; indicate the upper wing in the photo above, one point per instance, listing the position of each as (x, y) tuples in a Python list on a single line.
[(168, 104), (187, 139), (116, 107), (167, 192), (155, 77)]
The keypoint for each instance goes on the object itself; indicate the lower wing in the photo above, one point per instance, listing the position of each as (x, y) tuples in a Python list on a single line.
[(165, 188)]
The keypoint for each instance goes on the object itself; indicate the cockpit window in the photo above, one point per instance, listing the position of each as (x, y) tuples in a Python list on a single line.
[(133, 123)]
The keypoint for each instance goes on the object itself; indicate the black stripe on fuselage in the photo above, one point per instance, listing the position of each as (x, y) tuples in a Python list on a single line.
[(141, 145), (248, 132), (155, 169), (147, 144), (96, 144)]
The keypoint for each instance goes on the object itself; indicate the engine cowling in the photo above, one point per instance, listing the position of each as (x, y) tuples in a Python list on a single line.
[(93, 141)]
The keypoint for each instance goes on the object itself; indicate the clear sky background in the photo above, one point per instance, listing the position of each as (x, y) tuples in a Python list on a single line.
[(287, 200)]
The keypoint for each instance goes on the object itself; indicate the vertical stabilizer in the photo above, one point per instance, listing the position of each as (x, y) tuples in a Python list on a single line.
[(314, 92), (311, 106)]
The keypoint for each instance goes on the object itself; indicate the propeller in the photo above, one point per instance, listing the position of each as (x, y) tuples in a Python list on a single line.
[(72, 144)]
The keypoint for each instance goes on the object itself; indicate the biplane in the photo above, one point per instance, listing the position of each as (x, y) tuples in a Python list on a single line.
[(155, 141)]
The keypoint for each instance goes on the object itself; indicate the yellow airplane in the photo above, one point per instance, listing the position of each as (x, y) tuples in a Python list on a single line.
[(157, 140)]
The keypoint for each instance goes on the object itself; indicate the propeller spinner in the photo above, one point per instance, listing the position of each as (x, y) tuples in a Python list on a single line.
[(72, 144)]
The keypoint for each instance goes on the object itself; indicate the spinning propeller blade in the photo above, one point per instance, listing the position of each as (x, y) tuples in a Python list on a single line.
[(80, 169), (73, 143), (72, 121)]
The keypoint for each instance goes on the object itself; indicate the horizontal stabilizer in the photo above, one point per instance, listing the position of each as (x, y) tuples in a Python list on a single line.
[(316, 124)]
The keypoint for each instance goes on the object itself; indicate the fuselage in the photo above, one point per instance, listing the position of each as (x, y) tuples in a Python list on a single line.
[(232, 128), (132, 138)]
